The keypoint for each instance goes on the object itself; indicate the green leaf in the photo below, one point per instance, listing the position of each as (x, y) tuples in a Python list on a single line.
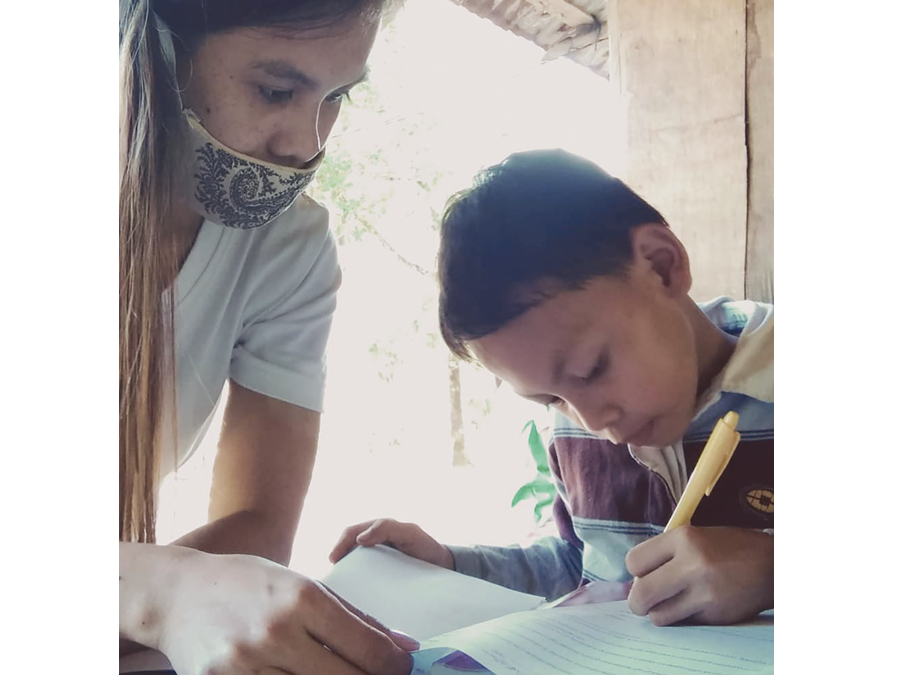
[(522, 493), (539, 483), (538, 451), (543, 489), (537, 487), (540, 506)]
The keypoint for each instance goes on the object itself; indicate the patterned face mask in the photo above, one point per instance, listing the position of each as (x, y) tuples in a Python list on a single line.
[(235, 190)]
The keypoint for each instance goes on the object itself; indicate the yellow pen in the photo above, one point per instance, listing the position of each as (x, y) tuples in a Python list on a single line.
[(715, 457)]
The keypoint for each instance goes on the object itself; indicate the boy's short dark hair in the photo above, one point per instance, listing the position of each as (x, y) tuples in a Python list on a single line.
[(535, 224)]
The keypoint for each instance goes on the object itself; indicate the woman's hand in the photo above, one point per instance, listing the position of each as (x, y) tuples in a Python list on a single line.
[(712, 575), (243, 615), (406, 537)]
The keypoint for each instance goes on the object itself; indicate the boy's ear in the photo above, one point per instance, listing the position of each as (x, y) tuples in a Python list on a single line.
[(661, 252)]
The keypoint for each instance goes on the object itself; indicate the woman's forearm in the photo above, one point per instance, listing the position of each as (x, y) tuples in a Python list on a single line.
[(244, 532)]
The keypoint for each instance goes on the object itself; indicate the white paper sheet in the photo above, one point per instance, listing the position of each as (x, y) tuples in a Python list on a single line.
[(418, 598), (607, 639)]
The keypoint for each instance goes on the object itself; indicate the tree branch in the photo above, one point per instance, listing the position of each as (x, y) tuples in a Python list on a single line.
[(409, 263)]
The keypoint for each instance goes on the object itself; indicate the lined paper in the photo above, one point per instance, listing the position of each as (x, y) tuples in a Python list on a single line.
[(607, 639)]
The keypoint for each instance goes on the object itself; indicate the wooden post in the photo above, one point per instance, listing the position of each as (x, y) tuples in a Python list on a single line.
[(760, 278), (680, 66)]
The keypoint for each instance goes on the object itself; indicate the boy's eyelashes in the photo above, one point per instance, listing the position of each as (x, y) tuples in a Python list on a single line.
[(600, 367)]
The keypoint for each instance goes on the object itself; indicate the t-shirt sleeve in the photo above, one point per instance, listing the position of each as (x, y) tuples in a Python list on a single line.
[(281, 353)]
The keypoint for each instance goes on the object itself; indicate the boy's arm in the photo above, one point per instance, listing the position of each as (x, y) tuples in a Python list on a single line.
[(551, 567)]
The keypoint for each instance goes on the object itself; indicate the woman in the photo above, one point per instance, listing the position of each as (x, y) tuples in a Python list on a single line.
[(227, 273)]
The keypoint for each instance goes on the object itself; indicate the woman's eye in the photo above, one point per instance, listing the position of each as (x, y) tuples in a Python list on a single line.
[(339, 96), (276, 96)]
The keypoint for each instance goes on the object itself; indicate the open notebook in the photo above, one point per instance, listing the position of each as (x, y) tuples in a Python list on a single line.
[(438, 607), (507, 632)]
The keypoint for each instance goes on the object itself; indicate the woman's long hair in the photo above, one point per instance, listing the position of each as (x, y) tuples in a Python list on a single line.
[(149, 122), (148, 104)]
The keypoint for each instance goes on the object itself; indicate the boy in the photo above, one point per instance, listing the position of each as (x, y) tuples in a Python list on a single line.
[(568, 286)]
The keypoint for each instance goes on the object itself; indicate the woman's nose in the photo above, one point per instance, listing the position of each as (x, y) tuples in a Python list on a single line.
[(299, 140)]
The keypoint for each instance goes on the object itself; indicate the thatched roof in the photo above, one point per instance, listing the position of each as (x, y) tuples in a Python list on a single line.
[(576, 29)]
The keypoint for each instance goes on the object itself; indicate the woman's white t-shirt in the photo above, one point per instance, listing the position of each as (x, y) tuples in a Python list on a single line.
[(254, 306)]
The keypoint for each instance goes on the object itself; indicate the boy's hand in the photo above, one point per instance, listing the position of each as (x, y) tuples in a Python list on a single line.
[(712, 575), (406, 537)]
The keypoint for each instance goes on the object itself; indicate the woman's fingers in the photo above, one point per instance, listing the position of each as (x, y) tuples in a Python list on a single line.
[(356, 640), (308, 657), (315, 659), (402, 640)]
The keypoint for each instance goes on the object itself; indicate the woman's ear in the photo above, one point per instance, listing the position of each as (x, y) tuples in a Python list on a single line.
[(656, 248)]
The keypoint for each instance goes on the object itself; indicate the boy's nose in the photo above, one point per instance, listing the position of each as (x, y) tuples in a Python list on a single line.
[(597, 418)]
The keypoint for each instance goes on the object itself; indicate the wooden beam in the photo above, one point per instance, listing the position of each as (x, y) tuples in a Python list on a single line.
[(567, 12)]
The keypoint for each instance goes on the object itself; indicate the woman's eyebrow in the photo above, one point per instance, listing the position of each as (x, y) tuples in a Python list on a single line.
[(287, 71)]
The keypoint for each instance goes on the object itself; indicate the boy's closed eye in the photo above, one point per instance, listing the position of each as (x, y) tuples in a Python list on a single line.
[(600, 367)]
